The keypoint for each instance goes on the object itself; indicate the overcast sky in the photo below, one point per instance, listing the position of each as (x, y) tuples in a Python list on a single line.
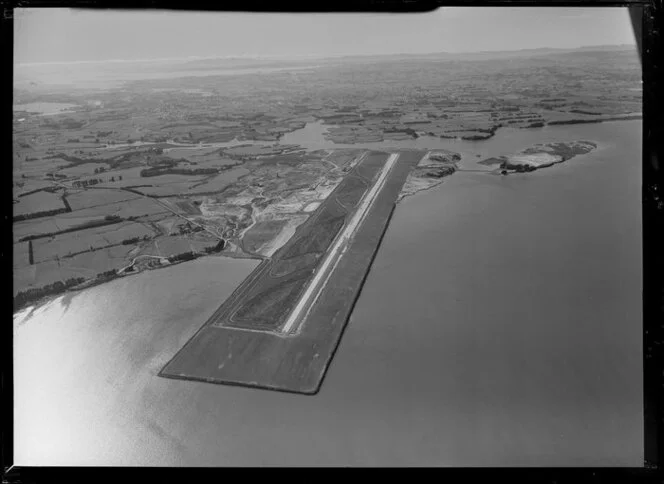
[(63, 35)]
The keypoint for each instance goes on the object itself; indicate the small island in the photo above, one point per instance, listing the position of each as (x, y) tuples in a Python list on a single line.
[(540, 156)]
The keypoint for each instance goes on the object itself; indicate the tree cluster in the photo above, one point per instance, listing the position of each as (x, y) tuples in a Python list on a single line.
[(29, 295), (108, 220), (182, 257), (87, 183), (45, 213), (157, 170)]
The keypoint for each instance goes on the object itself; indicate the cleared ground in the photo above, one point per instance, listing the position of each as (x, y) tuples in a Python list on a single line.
[(38, 202), (262, 233)]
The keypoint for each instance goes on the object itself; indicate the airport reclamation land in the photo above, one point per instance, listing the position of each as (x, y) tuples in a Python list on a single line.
[(280, 328)]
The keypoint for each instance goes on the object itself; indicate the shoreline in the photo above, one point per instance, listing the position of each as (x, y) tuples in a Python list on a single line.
[(531, 158), (235, 255), (34, 304), (405, 194), (476, 139), (503, 171)]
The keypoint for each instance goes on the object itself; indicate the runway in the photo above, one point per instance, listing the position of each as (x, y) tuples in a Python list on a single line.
[(280, 328)]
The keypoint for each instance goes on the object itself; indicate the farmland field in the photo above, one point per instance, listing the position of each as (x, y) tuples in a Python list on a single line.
[(221, 181), (25, 185), (79, 170), (137, 206), (98, 261), (61, 246), (38, 226), (37, 275), (117, 233), (20, 254), (167, 245), (38, 202), (98, 198)]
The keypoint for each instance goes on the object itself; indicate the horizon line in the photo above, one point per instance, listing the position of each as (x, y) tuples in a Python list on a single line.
[(308, 56)]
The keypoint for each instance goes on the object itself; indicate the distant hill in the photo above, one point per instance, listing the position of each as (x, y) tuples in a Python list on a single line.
[(485, 55), (204, 63)]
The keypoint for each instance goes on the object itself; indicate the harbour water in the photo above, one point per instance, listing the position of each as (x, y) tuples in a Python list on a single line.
[(502, 317), (500, 325)]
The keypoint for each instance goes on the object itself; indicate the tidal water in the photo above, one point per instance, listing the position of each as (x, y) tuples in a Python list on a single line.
[(500, 325), (501, 322)]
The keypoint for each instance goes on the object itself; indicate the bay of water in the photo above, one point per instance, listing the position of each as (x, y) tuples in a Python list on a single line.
[(500, 325)]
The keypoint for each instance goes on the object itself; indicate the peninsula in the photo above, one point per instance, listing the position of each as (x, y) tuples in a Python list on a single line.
[(540, 156)]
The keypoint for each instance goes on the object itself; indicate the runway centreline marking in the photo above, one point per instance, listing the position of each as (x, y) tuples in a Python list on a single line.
[(318, 282)]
